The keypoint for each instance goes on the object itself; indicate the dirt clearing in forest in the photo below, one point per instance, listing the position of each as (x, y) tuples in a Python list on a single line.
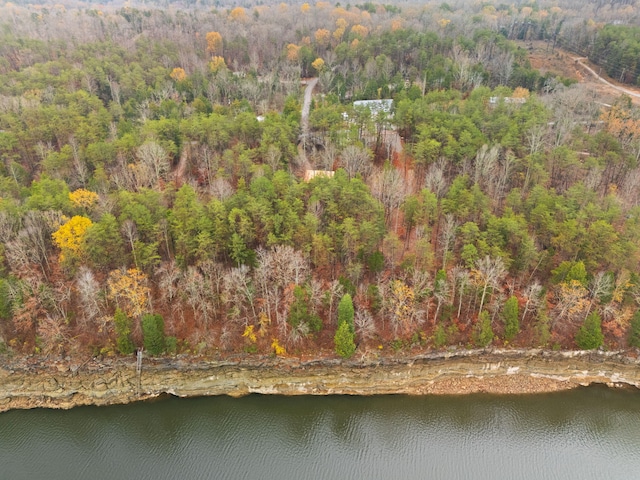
[(565, 64)]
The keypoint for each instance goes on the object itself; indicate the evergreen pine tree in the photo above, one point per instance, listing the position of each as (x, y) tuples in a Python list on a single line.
[(590, 335), (123, 325), (634, 338), (344, 341), (484, 332), (510, 315), (346, 312), (153, 331)]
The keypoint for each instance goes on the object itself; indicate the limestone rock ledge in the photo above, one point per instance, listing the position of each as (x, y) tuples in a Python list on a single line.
[(61, 384)]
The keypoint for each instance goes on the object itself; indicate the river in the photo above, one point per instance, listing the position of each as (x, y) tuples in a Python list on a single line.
[(588, 433)]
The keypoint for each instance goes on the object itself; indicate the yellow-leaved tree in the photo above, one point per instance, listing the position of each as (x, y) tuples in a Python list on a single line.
[(178, 74), (83, 198), (318, 65), (130, 290), (70, 238), (402, 300), (216, 64)]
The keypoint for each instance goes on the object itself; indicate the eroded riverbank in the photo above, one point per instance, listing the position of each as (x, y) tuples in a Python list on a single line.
[(63, 384)]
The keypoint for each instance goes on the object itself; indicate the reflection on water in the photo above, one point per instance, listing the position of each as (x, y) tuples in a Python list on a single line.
[(588, 433)]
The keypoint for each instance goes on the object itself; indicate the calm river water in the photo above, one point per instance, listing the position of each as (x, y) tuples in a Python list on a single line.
[(585, 434)]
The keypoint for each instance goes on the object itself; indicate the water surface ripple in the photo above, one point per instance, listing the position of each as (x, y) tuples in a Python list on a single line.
[(585, 434)]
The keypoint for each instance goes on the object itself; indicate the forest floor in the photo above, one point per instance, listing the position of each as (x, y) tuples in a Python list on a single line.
[(577, 68)]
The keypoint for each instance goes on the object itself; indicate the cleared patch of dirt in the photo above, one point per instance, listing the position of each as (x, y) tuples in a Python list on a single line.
[(569, 65), (557, 62)]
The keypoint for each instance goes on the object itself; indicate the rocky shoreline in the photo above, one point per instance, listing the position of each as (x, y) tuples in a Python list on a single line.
[(58, 383)]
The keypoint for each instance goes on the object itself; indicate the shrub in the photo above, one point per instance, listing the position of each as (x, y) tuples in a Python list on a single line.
[(315, 322), (347, 285), (439, 336), (172, 345), (299, 311), (542, 329), (375, 262), (374, 298)]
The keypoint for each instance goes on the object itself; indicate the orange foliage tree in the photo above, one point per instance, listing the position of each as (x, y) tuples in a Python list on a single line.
[(293, 52), (238, 14), (360, 31), (322, 36), (214, 43), (624, 124)]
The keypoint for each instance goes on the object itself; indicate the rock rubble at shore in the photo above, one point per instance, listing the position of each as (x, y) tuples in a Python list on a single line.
[(35, 382)]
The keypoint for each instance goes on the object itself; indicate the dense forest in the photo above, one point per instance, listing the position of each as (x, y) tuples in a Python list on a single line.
[(160, 186)]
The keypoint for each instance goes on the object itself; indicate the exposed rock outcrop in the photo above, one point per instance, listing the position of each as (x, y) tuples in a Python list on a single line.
[(61, 384)]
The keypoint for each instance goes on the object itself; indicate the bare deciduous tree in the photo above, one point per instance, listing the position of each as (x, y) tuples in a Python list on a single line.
[(571, 303), (601, 285), (435, 179), (240, 296), (356, 160), (532, 293), (461, 280), (442, 293), (365, 325), (388, 186), (88, 290), (447, 236), (153, 164), (489, 272), (278, 269)]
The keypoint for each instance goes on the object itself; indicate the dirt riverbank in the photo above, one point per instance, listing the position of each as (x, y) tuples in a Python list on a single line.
[(32, 382)]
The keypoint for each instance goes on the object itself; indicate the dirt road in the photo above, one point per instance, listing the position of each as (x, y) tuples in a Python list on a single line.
[(626, 91), (568, 65), (306, 106)]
